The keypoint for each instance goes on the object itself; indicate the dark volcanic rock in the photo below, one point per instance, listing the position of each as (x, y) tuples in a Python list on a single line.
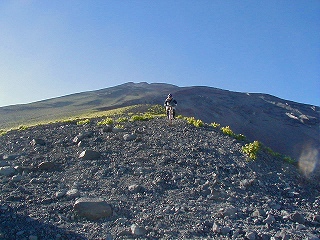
[(89, 155), (92, 208), (168, 182)]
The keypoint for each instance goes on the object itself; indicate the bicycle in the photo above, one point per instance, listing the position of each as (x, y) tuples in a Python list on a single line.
[(170, 114)]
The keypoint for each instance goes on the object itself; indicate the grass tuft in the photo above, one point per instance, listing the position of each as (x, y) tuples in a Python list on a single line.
[(195, 122), (83, 122), (227, 131), (215, 125), (251, 149), (107, 121)]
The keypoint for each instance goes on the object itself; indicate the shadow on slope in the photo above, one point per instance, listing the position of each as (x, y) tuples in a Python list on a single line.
[(16, 226)]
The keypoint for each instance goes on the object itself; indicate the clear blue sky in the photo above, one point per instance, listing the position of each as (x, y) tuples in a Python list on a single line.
[(51, 48)]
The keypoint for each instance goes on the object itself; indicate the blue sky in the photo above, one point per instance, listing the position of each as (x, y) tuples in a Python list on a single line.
[(54, 48)]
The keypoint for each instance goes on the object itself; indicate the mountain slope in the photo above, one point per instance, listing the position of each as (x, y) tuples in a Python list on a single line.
[(178, 182), (287, 127)]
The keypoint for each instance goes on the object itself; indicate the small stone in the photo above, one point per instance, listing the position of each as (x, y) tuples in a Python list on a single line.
[(129, 137), (298, 218), (109, 237), (81, 136), (316, 218), (73, 193), (7, 171), (10, 157), (137, 230), (231, 212), (225, 230), (259, 213), (244, 184), (16, 178), (37, 180), (216, 228), (38, 141), (81, 144), (107, 128), (61, 193), (33, 237), (3, 163), (117, 130), (270, 219), (20, 233), (46, 166), (275, 206), (89, 155), (251, 235), (300, 227), (135, 188), (312, 237), (283, 235), (265, 236)]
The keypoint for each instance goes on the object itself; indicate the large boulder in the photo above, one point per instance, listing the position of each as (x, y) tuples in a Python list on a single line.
[(92, 208)]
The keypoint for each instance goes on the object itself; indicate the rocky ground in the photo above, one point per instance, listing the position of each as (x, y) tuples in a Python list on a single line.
[(148, 181)]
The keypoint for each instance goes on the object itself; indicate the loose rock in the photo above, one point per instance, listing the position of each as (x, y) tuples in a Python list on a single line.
[(92, 208), (89, 155)]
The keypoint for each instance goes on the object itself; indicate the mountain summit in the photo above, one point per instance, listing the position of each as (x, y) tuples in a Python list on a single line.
[(287, 127)]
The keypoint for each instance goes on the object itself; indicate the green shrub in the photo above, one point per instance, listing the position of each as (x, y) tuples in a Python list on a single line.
[(289, 159), (83, 122), (107, 121), (119, 126), (240, 137), (227, 131), (278, 155), (157, 110), (215, 125), (3, 132), (122, 119), (23, 127), (251, 149), (195, 122), (271, 152), (144, 117)]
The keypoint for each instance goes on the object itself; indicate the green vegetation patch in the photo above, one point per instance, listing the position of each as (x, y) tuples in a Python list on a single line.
[(107, 121), (156, 110), (195, 122), (227, 131), (122, 120), (83, 122), (3, 132), (142, 117), (215, 125), (251, 149), (119, 126)]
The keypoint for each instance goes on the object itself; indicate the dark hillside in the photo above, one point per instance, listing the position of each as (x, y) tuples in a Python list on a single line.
[(148, 181), (287, 127)]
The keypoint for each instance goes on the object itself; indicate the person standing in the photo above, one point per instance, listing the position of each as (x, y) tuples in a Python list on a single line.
[(170, 101)]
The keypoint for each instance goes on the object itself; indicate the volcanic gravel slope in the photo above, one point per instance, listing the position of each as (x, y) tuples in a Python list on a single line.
[(162, 182)]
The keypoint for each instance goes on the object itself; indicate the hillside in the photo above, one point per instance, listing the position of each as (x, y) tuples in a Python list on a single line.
[(148, 181), (287, 127)]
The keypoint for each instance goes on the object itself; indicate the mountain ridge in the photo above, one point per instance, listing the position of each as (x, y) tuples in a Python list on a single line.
[(287, 127)]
